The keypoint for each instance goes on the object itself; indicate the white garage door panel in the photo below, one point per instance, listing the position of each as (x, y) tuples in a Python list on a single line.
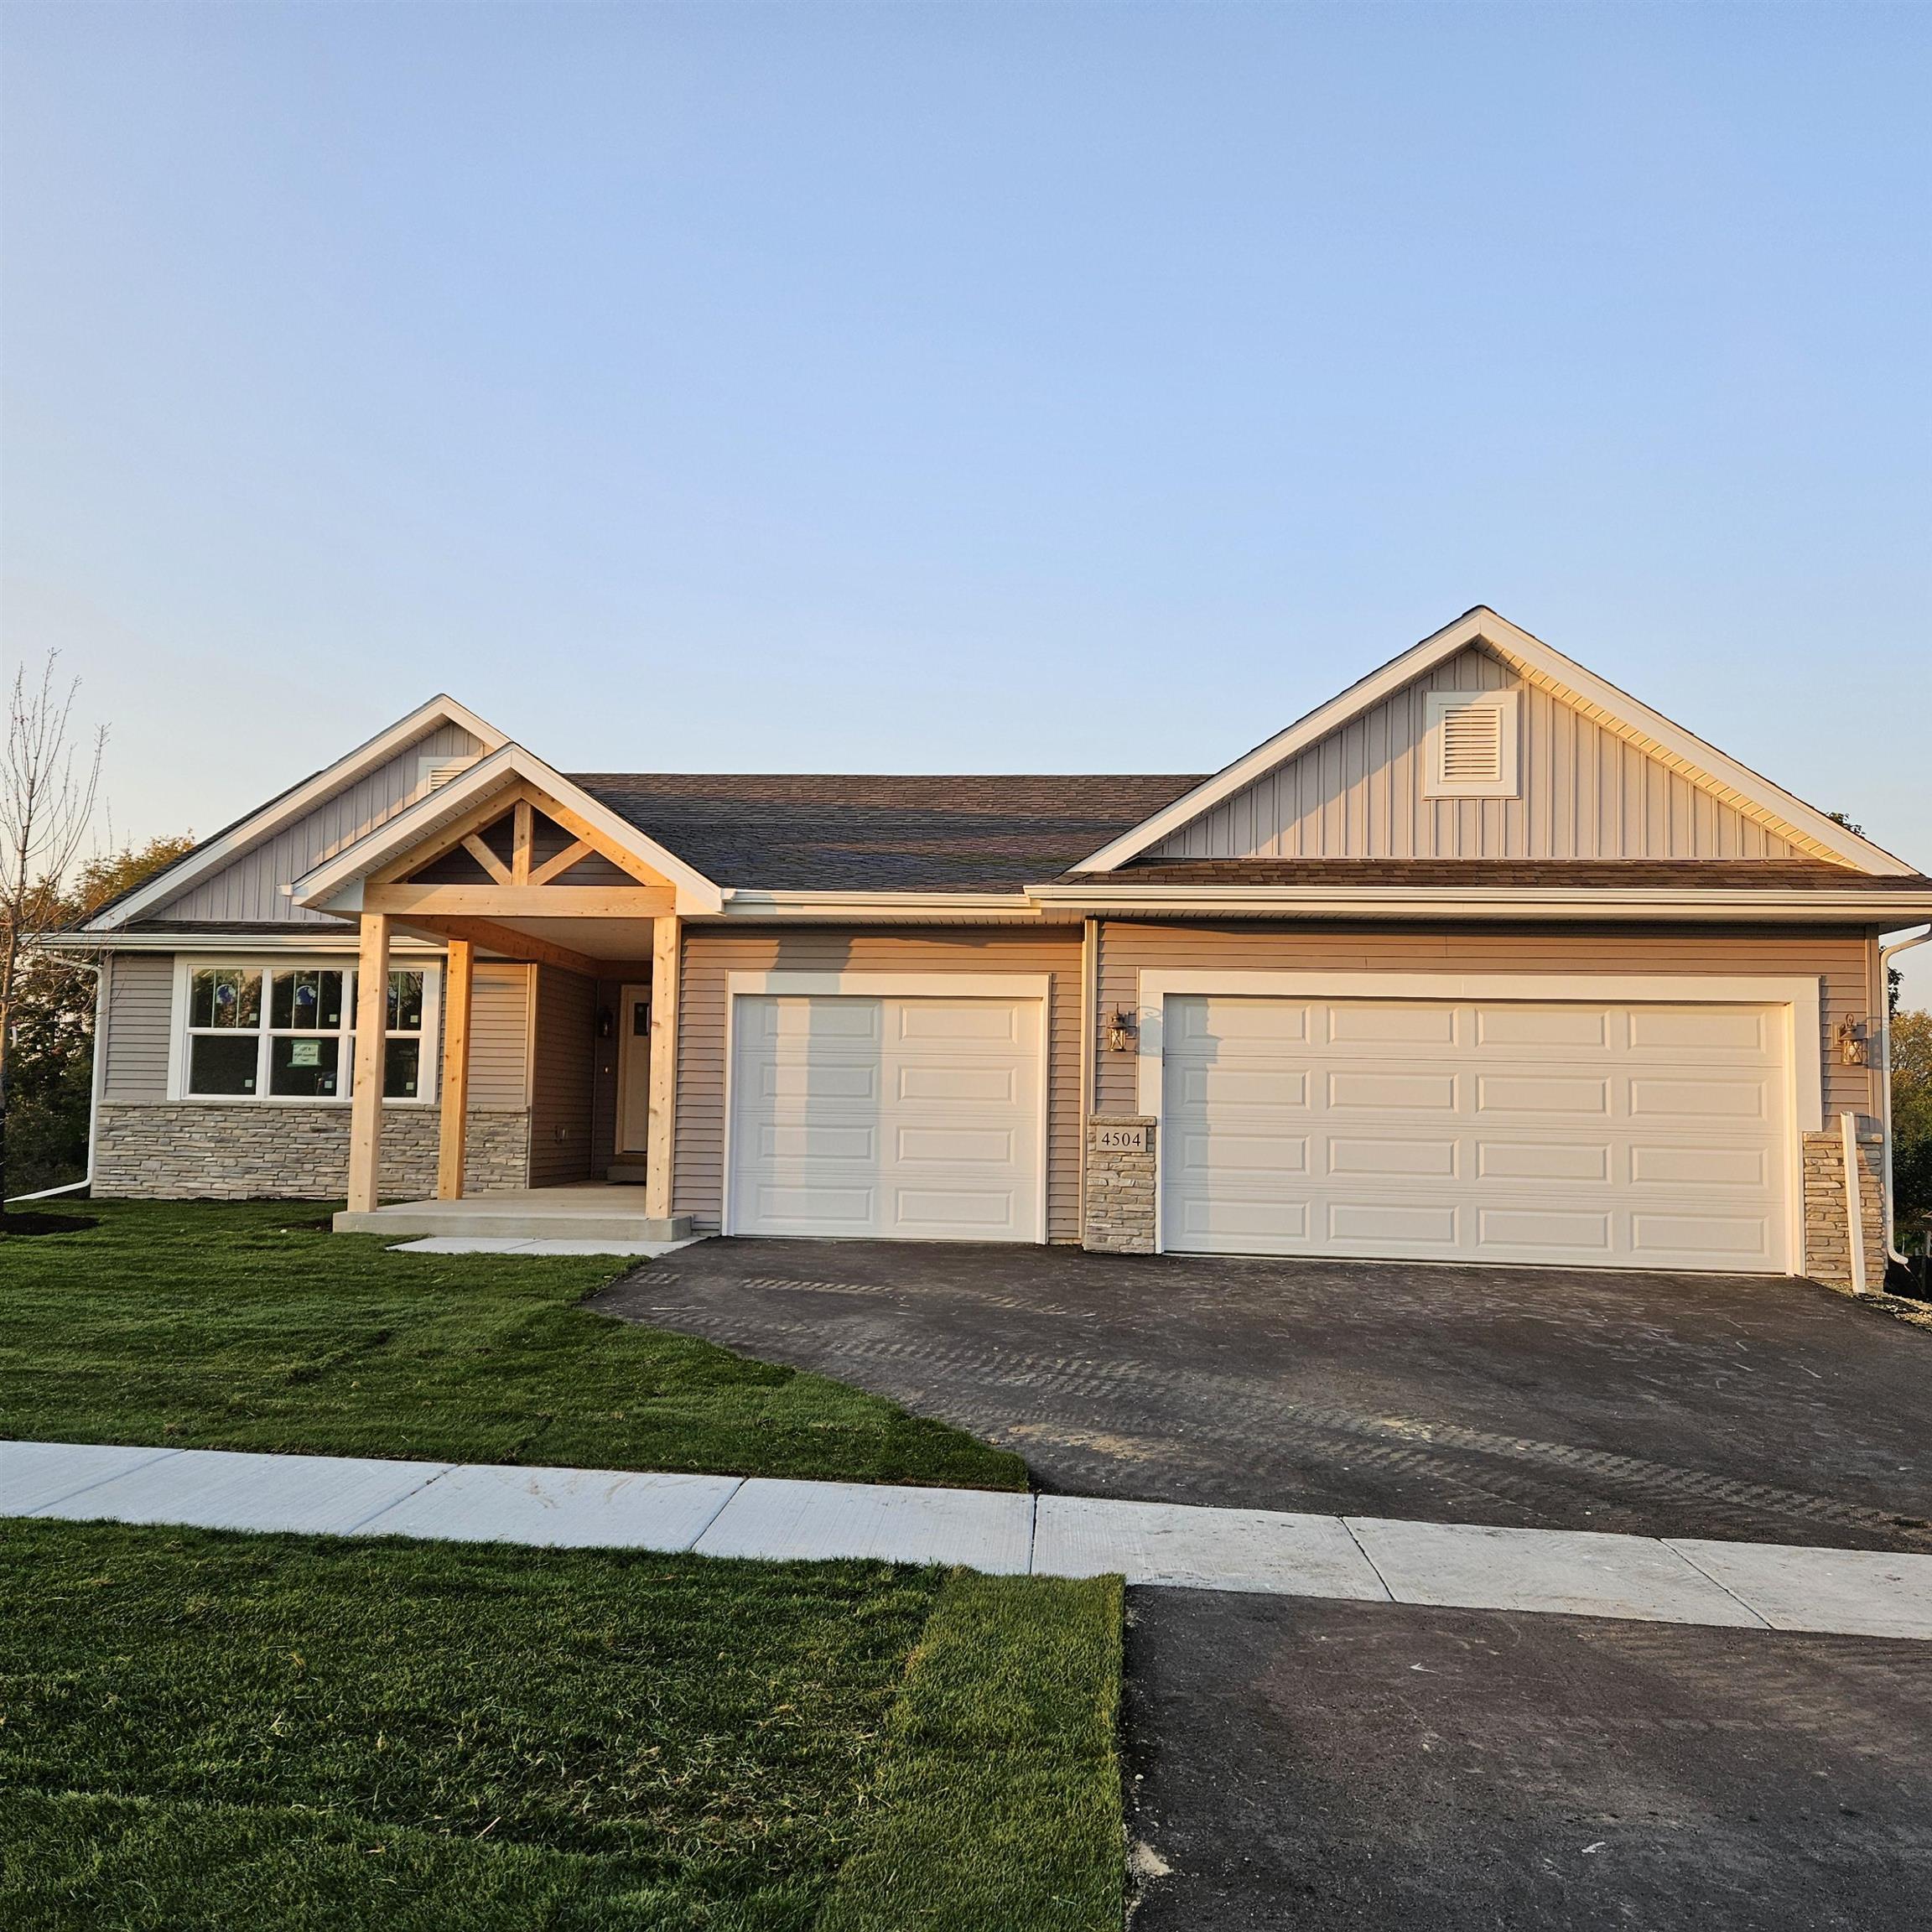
[(1585, 1135), (915, 1117)]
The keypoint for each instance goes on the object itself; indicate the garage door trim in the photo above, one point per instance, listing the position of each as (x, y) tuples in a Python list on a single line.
[(1799, 999), (890, 986)]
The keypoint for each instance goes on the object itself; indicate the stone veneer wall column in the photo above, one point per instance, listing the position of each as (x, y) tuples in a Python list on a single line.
[(1827, 1247), (1119, 1188), (172, 1152)]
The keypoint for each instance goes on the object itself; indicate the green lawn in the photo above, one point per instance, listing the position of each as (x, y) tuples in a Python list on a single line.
[(203, 1731), (249, 1326)]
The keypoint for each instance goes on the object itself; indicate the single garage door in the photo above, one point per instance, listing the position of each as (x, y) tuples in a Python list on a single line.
[(914, 1119), (1651, 1136)]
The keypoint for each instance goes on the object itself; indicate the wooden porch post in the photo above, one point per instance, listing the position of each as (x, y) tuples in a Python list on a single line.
[(659, 1140), (455, 1121), (366, 1095)]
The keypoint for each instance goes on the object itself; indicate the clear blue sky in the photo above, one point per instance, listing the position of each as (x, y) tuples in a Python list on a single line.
[(932, 387)]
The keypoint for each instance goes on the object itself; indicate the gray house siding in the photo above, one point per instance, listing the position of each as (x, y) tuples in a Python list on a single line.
[(1586, 793), (560, 1082), (252, 889), (147, 1147), (140, 1000)]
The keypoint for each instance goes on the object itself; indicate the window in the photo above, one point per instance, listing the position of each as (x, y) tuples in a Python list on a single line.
[(288, 1033), (1472, 747), (403, 1050)]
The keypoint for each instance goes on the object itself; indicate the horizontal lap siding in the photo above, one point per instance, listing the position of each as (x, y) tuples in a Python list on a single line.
[(140, 1013), (560, 1077), (500, 1036), (709, 956), (1842, 960)]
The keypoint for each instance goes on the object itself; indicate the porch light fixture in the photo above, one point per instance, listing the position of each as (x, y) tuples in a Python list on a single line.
[(1120, 1031), (1851, 1042)]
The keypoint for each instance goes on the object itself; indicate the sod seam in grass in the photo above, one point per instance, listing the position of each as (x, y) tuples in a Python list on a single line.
[(998, 1805)]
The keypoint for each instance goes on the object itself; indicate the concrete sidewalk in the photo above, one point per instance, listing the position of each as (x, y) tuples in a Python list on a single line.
[(1675, 1580)]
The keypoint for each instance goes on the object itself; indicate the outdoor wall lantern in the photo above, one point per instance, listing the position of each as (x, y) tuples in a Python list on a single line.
[(1851, 1042), (606, 1023), (1120, 1031)]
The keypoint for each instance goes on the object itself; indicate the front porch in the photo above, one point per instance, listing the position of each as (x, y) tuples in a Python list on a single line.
[(501, 867), (584, 1210)]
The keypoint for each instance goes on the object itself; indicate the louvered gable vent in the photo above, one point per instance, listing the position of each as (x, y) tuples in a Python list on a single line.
[(432, 774), (1473, 744)]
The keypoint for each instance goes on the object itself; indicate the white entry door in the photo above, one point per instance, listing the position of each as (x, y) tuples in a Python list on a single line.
[(1585, 1134), (915, 1118)]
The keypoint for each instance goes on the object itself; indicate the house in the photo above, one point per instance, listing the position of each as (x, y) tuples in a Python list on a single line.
[(1483, 960)]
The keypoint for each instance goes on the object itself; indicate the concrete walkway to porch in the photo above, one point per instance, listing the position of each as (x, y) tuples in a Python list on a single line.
[(1686, 1581), (611, 1217)]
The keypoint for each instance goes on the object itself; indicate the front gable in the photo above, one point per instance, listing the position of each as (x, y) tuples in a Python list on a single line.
[(1573, 770), (244, 874)]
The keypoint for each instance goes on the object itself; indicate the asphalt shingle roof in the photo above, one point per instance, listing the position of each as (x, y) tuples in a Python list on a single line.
[(808, 832)]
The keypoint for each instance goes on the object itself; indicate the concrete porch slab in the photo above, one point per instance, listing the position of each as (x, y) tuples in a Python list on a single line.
[(1170, 1543), (587, 1212), (1576, 1572), (777, 1520), (1862, 1593), (499, 1244), (35, 1475), (560, 1509), (230, 1489)]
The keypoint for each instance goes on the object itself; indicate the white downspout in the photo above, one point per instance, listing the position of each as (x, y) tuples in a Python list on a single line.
[(1885, 953)]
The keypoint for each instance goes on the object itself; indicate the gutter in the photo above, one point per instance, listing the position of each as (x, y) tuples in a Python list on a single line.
[(1821, 905), (1885, 955)]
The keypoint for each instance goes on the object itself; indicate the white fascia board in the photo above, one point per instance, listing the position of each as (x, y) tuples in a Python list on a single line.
[(1819, 906), (1483, 626), (335, 886), (247, 832), (1284, 745)]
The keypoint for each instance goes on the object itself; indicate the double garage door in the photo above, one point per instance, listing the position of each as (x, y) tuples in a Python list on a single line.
[(913, 1118), (1639, 1136)]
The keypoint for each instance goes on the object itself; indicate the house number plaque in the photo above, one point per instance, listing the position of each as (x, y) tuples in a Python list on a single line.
[(1121, 1139)]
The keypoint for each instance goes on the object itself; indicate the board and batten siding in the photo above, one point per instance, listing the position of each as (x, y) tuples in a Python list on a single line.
[(710, 955), (249, 890), (140, 1019), (1841, 960), (566, 1037), (1586, 793)]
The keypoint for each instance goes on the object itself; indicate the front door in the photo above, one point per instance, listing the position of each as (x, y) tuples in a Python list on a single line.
[(633, 1070)]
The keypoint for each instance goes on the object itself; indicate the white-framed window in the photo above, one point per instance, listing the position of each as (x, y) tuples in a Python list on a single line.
[(284, 1031), (1472, 749)]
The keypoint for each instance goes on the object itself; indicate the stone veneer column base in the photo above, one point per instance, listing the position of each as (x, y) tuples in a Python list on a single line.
[(1827, 1246), (1119, 1189), (171, 1151)]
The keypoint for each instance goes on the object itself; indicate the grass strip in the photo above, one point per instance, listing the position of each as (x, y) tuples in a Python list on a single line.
[(248, 1326), (998, 1806), (201, 1730)]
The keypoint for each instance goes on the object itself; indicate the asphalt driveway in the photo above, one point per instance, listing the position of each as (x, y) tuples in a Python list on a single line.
[(1764, 1410), (1329, 1767)]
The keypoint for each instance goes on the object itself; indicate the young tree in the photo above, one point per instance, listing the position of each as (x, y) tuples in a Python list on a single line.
[(46, 806), (51, 1075)]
